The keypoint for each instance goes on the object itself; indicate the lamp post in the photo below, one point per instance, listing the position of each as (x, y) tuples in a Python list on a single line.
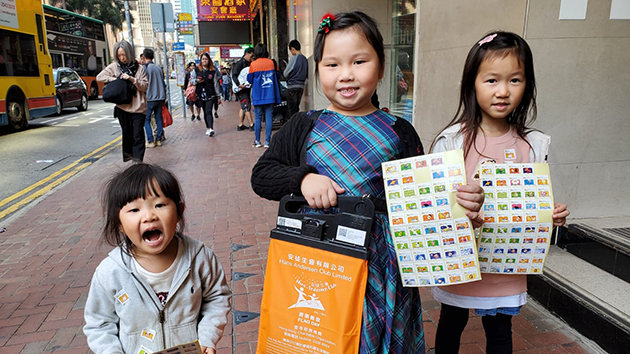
[(128, 20)]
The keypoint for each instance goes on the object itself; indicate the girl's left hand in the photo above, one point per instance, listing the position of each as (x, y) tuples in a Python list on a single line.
[(560, 213), (471, 197), (208, 350)]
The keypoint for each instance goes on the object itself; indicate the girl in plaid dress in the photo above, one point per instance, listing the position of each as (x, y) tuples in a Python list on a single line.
[(339, 150)]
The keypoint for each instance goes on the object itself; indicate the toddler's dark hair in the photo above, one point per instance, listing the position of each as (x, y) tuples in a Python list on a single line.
[(137, 181), (364, 24)]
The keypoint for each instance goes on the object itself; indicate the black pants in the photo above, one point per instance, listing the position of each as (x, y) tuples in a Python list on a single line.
[(294, 97), (207, 106), (132, 125), (452, 322)]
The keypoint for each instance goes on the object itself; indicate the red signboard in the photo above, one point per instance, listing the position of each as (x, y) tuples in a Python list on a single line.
[(223, 10)]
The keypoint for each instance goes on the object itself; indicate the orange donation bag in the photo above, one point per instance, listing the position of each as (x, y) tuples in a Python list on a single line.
[(315, 280)]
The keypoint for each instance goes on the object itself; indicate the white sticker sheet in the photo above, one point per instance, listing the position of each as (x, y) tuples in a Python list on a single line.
[(517, 214), (432, 235)]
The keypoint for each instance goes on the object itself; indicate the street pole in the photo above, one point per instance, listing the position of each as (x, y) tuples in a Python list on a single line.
[(128, 19), (168, 89)]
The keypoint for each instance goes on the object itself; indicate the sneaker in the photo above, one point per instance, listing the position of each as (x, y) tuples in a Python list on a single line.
[(198, 117), (216, 115), (150, 145), (251, 129), (266, 144), (208, 132), (256, 144), (211, 132), (192, 119), (242, 127), (159, 143)]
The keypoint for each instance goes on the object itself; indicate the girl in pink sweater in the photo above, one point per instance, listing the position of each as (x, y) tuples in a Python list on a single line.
[(497, 103)]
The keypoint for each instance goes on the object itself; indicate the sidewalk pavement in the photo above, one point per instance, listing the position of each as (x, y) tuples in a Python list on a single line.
[(50, 250)]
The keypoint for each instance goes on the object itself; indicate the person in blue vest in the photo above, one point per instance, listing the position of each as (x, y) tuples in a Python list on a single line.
[(265, 91)]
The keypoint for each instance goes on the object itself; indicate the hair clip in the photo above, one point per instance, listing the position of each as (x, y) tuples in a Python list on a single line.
[(488, 39), (326, 23)]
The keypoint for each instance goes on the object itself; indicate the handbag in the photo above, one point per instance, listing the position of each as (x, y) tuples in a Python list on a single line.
[(118, 92), (191, 93), (167, 118)]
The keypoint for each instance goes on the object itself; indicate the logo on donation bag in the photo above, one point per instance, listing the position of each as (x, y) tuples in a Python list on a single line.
[(313, 301)]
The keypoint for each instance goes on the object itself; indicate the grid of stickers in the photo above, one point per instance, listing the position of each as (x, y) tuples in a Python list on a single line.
[(517, 218), (434, 246)]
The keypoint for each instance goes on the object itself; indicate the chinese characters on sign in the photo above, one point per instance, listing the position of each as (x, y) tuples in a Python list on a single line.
[(223, 10)]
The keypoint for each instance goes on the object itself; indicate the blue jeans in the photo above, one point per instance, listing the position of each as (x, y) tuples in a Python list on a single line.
[(154, 106), (267, 110), (226, 91)]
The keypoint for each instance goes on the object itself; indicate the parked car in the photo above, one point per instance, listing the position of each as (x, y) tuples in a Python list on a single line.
[(173, 75), (71, 90)]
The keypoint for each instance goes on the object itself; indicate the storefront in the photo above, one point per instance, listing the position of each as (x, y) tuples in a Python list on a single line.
[(402, 58)]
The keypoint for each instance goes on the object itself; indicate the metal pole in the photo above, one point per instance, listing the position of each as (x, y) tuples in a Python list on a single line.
[(168, 89), (128, 20)]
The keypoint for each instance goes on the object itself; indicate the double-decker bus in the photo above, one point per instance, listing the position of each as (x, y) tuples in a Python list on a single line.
[(27, 88), (78, 42)]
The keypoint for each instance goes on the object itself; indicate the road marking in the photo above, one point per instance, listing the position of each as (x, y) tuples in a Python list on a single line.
[(54, 179), (67, 125)]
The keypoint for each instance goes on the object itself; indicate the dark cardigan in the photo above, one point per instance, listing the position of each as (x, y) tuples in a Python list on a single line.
[(281, 168)]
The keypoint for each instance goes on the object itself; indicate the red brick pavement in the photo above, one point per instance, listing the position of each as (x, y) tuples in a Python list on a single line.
[(49, 252)]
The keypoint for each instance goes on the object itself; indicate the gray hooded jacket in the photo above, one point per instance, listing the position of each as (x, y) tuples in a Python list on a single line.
[(121, 305)]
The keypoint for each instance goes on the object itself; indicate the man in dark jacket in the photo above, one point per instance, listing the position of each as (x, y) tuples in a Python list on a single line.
[(243, 94), (296, 73)]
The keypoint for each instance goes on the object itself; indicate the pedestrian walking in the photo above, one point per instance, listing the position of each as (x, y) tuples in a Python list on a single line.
[(191, 105), (227, 84), (206, 79), (339, 151), (265, 92), (156, 95), (296, 73), (158, 288), (131, 116), (243, 92), (497, 99)]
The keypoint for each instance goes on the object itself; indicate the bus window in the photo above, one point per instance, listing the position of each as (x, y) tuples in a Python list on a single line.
[(21, 56), (40, 32)]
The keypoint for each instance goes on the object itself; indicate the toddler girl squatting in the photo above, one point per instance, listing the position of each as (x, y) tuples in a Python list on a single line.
[(158, 288)]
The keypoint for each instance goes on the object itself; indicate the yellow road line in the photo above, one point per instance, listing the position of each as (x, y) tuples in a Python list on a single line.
[(77, 167), (54, 175)]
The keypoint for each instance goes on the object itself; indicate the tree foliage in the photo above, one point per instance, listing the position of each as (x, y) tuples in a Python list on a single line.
[(111, 12)]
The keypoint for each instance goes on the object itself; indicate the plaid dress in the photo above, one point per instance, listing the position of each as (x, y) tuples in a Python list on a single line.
[(350, 150)]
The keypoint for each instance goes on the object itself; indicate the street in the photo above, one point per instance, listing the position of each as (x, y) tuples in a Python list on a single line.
[(54, 143)]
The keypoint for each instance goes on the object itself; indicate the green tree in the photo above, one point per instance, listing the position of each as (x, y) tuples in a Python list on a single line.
[(111, 12)]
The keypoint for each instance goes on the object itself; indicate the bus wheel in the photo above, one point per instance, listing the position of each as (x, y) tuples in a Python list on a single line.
[(16, 112), (94, 92), (84, 104)]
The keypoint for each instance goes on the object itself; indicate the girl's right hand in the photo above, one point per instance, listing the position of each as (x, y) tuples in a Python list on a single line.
[(320, 191)]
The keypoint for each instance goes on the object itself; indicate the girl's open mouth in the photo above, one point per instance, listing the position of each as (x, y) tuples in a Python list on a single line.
[(348, 91), (152, 237)]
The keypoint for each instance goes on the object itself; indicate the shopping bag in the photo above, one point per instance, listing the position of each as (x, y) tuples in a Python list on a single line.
[(315, 280), (191, 93), (167, 118)]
